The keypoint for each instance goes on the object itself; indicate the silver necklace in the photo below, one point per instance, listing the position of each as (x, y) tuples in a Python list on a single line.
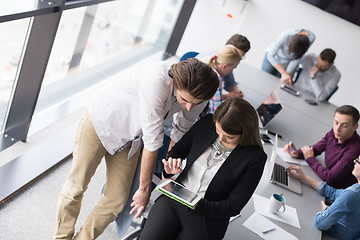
[(218, 153)]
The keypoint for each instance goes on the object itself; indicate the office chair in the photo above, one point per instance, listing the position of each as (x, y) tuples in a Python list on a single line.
[(297, 73), (332, 93), (188, 55)]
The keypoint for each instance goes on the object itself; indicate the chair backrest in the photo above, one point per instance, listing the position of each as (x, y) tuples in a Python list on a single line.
[(332, 93), (297, 73), (188, 55)]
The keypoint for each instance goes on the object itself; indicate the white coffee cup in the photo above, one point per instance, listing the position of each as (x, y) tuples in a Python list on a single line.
[(277, 201)]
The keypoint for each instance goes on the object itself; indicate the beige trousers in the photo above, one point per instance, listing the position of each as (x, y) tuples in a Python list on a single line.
[(87, 156)]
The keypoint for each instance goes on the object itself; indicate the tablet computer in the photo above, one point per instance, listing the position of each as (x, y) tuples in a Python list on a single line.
[(179, 193)]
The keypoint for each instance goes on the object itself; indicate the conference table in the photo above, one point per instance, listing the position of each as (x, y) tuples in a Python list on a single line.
[(298, 121)]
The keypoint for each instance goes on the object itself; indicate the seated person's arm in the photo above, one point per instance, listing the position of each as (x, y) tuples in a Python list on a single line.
[(239, 196), (231, 86), (342, 168), (345, 202), (322, 91)]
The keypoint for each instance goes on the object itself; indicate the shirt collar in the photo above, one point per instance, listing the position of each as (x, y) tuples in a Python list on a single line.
[(353, 138)]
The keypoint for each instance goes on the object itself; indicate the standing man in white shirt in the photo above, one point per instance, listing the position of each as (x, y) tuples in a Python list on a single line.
[(318, 76), (129, 108)]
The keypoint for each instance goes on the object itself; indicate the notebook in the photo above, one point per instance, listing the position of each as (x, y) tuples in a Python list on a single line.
[(268, 109), (280, 176)]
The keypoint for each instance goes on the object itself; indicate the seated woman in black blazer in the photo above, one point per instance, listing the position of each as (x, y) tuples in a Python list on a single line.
[(225, 161)]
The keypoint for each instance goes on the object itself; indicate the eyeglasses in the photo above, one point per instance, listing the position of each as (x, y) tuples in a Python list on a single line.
[(357, 160)]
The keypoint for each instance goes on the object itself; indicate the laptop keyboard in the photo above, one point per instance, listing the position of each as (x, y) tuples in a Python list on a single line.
[(280, 174)]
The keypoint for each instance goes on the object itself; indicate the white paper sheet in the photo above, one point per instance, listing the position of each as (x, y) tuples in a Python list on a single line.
[(289, 216), (258, 224), (286, 157)]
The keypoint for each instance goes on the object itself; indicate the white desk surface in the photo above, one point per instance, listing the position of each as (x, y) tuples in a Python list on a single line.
[(298, 121), (307, 205)]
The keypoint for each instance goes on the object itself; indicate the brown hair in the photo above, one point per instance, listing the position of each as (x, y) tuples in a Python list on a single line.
[(240, 42), (349, 110), (328, 55), (195, 77), (299, 44), (237, 117)]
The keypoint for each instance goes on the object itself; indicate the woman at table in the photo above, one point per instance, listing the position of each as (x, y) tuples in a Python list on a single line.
[(225, 161), (342, 218), (224, 61)]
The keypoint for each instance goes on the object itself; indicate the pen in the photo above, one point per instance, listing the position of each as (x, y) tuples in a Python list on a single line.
[(269, 230), (291, 147)]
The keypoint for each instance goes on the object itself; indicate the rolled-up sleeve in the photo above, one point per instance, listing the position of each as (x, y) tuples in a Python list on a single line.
[(153, 98), (344, 204)]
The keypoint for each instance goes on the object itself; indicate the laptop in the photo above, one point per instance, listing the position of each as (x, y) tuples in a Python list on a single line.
[(268, 109), (280, 176)]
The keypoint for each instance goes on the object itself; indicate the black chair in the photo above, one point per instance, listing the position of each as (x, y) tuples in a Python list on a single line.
[(332, 93)]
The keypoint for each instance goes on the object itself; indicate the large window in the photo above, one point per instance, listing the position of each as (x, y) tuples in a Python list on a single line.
[(97, 41), (11, 45), (54, 53)]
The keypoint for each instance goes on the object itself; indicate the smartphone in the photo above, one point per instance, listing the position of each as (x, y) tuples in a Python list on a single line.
[(311, 101)]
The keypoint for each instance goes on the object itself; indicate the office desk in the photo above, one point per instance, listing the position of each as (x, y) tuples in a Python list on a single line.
[(298, 121), (307, 205), (262, 82)]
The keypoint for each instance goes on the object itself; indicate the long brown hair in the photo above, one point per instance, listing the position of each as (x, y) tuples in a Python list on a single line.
[(237, 117)]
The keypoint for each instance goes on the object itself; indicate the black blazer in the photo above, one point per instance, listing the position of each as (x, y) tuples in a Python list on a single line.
[(233, 184)]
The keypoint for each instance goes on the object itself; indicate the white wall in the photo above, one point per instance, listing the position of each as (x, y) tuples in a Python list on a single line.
[(262, 20)]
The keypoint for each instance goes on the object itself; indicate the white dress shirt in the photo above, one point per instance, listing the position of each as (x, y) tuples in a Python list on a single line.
[(323, 84), (135, 104)]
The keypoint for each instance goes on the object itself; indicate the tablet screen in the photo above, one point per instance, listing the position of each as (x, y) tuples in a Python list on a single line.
[(180, 191)]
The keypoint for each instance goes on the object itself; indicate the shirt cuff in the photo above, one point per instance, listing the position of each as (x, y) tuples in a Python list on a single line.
[(167, 175), (321, 188)]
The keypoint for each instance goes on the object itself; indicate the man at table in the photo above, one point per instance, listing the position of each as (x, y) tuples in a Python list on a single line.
[(341, 146), (318, 76)]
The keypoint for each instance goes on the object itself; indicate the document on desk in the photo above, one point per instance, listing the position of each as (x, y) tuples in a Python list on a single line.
[(289, 216), (286, 157), (266, 229)]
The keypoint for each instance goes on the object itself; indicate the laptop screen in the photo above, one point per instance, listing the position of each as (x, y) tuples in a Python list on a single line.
[(268, 109), (273, 155)]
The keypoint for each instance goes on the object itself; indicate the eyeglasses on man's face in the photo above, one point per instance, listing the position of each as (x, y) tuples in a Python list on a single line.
[(357, 160)]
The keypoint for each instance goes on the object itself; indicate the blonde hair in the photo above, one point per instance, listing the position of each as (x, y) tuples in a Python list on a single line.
[(227, 54)]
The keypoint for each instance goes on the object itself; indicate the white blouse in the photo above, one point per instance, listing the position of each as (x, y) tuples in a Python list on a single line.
[(200, 175)]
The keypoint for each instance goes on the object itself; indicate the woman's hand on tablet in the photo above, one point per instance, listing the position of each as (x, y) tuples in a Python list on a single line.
[(172, 165)]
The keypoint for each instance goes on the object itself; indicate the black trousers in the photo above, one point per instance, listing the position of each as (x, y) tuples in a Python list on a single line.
[(169, 219)]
